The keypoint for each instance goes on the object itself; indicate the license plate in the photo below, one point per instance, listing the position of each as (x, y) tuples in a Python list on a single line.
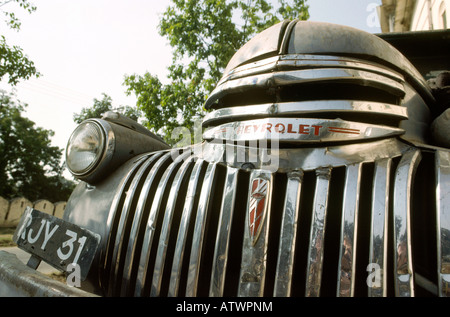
[(61, 244)]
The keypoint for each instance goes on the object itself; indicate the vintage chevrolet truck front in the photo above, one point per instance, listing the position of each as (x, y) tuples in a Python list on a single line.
[(324, 170)]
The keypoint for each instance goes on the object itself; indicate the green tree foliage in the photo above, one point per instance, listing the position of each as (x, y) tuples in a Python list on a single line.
[(29, 165), (14, 65), (204, 35), (99, 108)]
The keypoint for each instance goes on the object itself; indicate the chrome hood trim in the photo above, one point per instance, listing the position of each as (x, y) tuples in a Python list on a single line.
[(335, 89)]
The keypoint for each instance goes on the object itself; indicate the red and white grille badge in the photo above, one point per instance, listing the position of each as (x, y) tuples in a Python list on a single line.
[(257, 207)]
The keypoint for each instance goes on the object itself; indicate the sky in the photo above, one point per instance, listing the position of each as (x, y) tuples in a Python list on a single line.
[(84, 48)]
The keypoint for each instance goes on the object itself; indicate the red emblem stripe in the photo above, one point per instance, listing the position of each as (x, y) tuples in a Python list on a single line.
[(257, 207)]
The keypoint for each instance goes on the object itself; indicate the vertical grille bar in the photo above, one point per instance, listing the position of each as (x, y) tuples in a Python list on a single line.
[(287, 248), (347, 252), (167, 227), (443, 222), (126, 214), (199, 231), (138, 218), (317, 233), (186, 218), (113, 217), (223, 234), (379, 227), (255, 243), (157, 204), (403, 270)]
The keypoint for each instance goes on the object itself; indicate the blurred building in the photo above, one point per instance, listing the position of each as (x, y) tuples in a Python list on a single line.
[(414, 15)]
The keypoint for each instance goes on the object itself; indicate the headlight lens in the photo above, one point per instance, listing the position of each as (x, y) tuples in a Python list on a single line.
[(85, 148)]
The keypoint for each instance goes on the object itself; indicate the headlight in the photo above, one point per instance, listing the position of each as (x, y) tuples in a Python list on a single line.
[(85, 148), (99, 146)]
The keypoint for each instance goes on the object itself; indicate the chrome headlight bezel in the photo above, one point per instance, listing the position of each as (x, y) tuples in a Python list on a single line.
[(103, 155), (122, 139)]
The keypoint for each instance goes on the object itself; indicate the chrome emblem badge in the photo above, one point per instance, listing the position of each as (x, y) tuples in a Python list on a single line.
[(257, 207)]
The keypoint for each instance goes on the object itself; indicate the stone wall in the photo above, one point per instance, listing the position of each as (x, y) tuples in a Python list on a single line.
[(11, 210)]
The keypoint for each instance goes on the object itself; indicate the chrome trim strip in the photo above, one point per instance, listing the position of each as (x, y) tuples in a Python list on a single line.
[(281, 78), (186, 218), (288, 235), (403, 270), (443, 221), (299, 61), (220, 259), (379, 226), (302, 130), (284, 44), (349, 226), (151, 223), (254, 254), (166, 228), (316, 107), (319, 61), (262, 66), (199, 231), (137, 219), (307, 158), (317, 233)]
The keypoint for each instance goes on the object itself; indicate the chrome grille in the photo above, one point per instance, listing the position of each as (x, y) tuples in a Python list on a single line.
[(178, 227)]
